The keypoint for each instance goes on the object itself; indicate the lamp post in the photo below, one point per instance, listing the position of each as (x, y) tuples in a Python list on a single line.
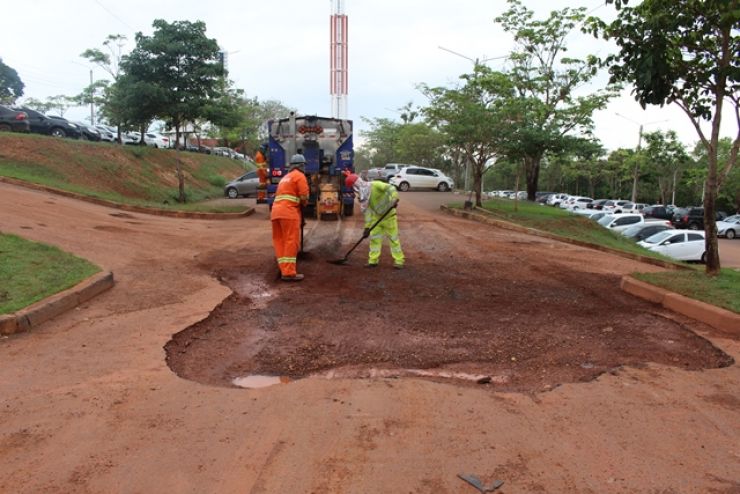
[(476, 61), (639, 145), (92, 91)]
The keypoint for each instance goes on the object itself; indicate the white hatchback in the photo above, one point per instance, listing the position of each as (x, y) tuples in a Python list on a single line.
[(682, 245), (421, 178)]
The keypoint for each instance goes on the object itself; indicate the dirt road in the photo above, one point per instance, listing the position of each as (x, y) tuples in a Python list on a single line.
[(584, 389)]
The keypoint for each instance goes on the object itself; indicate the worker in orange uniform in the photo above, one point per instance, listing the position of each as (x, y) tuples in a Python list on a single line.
[(261, 161), (290, 197)]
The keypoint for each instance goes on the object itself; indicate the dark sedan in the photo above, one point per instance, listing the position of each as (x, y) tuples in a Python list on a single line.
[(645, 230), (13, 120), (41, 124)]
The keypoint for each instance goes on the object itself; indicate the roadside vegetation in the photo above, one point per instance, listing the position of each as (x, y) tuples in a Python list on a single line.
[(31, 271), (722, 291), (563, 223), (133, 175)]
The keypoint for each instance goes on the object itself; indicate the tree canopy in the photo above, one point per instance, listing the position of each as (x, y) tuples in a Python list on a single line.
[(11, 86)]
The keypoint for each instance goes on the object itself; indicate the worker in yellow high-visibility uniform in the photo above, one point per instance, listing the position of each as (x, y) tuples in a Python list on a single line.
[(376, 198), (291, 195)]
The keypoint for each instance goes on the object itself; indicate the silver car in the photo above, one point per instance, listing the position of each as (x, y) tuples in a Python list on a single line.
[(245, 186)]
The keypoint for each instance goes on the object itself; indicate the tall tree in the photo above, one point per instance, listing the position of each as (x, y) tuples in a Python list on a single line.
[(11, 86), (181, 70), (546, 82), (474, 118), (667, 158), (684, 52)]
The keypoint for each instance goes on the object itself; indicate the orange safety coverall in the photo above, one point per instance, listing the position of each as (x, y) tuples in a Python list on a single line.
[(291, 194), (259, 158)]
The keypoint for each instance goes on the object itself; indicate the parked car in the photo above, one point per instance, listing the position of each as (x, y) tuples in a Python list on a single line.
[(107, 134), (556, 199), (597, 204), (641, 231), (680, 245), (245, 186), (729, 227), (13, 120), (156, 140), (615, 206), (89, 132), (385, 173), (41, 124), (579, 202), (619, 222), (658, 211), (693, 218), (542, 197), (421, 178)]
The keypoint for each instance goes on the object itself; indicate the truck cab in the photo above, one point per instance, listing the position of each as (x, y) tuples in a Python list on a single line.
[(326, 143)]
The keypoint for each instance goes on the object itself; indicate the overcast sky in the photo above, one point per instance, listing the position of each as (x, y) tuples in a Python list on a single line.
[(279, 49)]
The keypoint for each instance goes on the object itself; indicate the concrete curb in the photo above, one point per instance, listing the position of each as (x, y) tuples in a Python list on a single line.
[(128, 207), (714, 316), (43, 310), (483, 216)]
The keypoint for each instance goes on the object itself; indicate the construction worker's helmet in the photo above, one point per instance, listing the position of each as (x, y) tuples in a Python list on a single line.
[(350, 180), (297, 161)]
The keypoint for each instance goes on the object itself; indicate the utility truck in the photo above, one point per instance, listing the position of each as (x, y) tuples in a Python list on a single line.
[(326, 143)]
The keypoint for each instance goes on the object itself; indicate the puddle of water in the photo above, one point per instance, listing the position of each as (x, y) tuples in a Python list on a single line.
[(258, 381)]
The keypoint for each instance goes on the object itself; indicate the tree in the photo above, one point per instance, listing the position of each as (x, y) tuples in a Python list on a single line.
[(11, 86), (180, 74), (667, 158), (545, 84), (58, 104), (684, 52), (474, 118)]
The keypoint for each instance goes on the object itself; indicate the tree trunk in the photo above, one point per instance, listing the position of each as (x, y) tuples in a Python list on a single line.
[(532, 171), (478, 182), (178, 166), (710, 217), (142, 131)]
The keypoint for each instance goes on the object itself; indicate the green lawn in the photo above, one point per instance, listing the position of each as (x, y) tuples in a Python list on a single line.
[(722, 291), (31, 271), (560, 222)]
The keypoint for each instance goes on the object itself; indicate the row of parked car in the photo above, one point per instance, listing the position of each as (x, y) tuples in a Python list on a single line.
[(28, 120)]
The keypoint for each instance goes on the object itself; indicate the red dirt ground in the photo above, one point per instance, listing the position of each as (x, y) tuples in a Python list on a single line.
[(590, 391)]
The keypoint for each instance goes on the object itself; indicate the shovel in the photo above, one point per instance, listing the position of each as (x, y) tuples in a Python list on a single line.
[(344, 260)]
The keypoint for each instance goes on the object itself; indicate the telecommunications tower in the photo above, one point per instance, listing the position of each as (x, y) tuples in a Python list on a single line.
[(338, 67)]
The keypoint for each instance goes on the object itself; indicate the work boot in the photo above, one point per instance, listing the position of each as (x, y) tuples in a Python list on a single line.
[(371, 265), (297, 277)]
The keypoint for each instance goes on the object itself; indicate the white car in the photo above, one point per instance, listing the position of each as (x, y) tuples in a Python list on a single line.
[(617, 206), (156, 140), (619, 222), (579, 202), (682, 245), (729, 227), (417, 177), (107, 134), (556, 199)]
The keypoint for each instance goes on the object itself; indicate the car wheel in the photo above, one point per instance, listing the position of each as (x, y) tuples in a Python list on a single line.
[(443, 187), (693, 226), (730, 234), (403, 186), (5, 127), (57, 132), (232, 193)]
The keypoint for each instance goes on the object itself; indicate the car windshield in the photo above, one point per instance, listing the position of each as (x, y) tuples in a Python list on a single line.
[(659, 237), (605, 220), (733, 218), (632, 231)]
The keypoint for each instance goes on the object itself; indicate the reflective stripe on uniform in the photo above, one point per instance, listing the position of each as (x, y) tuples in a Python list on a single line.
[(287, 197), (284, 260)]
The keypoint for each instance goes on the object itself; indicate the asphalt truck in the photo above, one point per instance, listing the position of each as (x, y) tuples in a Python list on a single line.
[(326, 143)]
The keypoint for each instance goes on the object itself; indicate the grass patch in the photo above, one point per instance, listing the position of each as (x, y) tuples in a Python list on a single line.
[(560, 222), (132, 175), (32, 271), (722, 291)]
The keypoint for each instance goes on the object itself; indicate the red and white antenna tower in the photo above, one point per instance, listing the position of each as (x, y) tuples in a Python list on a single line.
[(338, 71)]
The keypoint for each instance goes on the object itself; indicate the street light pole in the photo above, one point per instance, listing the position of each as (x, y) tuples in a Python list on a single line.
[(636, 172)]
